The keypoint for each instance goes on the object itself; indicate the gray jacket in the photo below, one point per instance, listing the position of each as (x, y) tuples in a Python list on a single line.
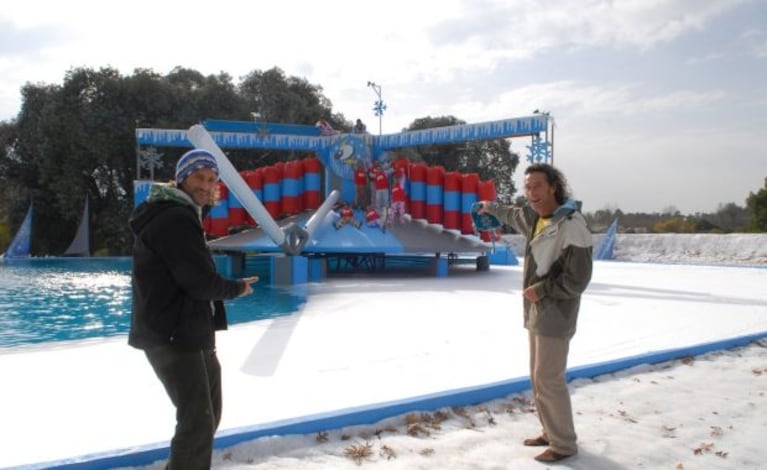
[(558, 264)]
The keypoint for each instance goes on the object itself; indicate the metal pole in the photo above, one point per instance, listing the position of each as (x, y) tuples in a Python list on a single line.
[(379, 105)]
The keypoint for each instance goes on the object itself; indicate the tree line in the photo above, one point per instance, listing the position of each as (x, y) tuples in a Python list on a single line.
[(727, 218), (77, 138)]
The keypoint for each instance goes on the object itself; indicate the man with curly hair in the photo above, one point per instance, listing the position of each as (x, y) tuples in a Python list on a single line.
[(557, 270)]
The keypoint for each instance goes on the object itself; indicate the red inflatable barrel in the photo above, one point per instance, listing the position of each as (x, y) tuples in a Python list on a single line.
[(451, 217), (312, 183), (255, 181), (434, 194), (236, 211), (418, 190), (291, 188), (272, 201)]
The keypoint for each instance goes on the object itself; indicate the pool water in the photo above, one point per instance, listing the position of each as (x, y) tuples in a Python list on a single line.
[(62, 299)]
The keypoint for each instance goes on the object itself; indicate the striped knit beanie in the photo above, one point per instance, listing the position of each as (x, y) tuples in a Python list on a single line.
[(192, 161)]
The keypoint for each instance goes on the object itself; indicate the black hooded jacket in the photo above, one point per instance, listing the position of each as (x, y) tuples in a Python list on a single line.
[(177, 292)]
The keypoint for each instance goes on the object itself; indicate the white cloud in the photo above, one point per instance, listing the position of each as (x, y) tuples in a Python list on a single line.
[(529, 27), (760, 50), (710, 57), (577, 100)]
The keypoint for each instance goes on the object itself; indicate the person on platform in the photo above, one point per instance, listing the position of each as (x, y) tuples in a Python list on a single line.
[(557, 270), (372, 219), (381, 195), (325, 127), (361, 190), (400, 168), (359, 127), (346, 216), (397, 204), (177, 304)]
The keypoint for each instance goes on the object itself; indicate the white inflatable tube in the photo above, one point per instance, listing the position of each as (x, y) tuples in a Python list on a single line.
[(200, 137), (313, 222)]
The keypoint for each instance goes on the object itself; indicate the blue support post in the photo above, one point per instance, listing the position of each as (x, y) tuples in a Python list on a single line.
[(289, 270), (440, 266), (318, 269)]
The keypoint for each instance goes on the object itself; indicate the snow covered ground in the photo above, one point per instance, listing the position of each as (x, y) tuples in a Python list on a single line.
[(363, 342), (706, 412), (700, 248)]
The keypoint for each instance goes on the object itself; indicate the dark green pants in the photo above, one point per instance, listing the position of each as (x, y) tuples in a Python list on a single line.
[(193, 383)]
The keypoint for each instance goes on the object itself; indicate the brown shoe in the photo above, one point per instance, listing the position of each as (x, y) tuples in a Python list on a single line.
[(550, 456), (539, 441)]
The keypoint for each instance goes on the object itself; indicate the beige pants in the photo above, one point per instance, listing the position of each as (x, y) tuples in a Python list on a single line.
[(548, 361)]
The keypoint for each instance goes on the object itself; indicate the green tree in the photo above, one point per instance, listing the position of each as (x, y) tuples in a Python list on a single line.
[(8, 187), (8, 168), (491, 159), (83, 147), (24, 147), (676, 224), (728, 217), (196, 97), (270, 96), (78, 139), (757, 204), (277, 98), (602, 218)]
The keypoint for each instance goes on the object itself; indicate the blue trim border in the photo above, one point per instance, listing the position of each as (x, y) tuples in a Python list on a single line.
[(146, 455)]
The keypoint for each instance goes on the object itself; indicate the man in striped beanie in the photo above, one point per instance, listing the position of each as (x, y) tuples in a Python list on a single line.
[(190, 164), (194, 160), (178, 304)]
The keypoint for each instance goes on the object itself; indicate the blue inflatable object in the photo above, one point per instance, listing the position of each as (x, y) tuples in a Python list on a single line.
[(483, 221)]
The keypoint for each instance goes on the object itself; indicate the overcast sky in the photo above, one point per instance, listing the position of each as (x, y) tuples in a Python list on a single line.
[(658, 103)]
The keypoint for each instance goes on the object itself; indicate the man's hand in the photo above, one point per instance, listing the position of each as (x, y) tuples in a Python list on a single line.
[(482, 205), (531, 295), (247, 290)]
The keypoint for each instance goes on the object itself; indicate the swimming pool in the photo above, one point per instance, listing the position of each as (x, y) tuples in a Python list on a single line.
[(61, 299)]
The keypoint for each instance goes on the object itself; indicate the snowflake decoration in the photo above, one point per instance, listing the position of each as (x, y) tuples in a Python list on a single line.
[(150, 158), (379, 107)]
